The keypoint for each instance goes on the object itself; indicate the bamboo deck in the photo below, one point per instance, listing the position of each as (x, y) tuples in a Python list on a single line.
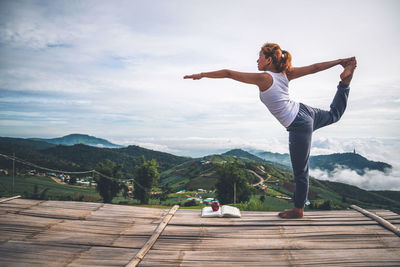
[(58, 233)]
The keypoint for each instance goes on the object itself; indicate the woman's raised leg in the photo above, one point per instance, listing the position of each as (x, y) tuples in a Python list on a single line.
[(338, 106)]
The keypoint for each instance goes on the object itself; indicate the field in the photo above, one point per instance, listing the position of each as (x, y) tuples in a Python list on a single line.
[(45, 188), (41, 187), (25, 186)]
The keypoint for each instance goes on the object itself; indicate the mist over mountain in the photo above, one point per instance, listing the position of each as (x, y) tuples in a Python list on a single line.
[(74, 139), (351, 161), (329, 163)]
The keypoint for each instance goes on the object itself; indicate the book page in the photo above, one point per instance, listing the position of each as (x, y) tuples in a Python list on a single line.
[(229, 211), (207, 212)]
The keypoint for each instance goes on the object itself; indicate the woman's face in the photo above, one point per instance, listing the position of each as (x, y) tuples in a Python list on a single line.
[(262, 62)]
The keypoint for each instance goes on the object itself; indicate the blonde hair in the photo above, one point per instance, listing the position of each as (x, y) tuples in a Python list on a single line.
[(281, 59)]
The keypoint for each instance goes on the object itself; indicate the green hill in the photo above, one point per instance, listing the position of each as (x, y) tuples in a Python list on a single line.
[(190, 175), (80, 157), (88, 156), (201, 173), (239, 153), (165, 160), (283, 159), (28, 143), (31, 151), (393, 195), (352, 161)]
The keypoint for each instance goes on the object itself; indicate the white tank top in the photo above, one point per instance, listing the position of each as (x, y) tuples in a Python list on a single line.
[(277, 100)]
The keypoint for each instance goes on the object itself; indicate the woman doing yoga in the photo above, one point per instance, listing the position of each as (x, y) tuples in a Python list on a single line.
[(299, 119)]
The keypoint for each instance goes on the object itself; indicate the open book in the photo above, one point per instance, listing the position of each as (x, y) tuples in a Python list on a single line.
[(224, 211)]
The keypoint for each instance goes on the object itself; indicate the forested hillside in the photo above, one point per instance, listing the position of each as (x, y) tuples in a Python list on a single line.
[(80, 157)]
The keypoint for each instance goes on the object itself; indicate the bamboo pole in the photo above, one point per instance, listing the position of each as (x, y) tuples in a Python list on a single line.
[(378, 219), (13, 177), (140, 255), (10, 198)]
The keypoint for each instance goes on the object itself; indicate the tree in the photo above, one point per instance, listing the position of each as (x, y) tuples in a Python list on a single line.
[(146, 176), (108, 188), (166, 189), (231, 175)]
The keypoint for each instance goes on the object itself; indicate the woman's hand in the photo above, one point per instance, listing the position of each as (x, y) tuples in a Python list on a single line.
[(193, 76)]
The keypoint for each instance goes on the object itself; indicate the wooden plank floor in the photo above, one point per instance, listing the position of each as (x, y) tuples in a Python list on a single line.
[(57, 233), (62, 233), (326, 238)]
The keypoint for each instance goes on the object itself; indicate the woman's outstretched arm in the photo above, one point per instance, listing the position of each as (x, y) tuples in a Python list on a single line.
[(262, 80), (298, 72)]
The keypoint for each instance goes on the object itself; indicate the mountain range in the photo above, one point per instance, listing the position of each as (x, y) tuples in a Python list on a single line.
[(327, 163), (193, 173), (73, 139)]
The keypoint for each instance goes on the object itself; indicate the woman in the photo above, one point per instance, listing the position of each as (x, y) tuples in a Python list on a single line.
[(299, 119)]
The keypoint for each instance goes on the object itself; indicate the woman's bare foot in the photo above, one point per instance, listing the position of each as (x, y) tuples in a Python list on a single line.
[(294, 213), (344, 62), (348, 71)]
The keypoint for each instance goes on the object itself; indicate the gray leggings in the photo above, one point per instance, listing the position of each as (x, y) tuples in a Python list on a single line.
[(300, 133)]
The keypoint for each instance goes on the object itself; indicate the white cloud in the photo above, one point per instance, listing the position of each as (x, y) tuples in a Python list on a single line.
[(373, 148), (196, 146), (371, 180), (376, 149)]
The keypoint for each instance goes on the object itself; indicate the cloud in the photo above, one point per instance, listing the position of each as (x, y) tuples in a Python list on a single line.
[(377, 149), (373, 148), (197, 146), (371, 180)]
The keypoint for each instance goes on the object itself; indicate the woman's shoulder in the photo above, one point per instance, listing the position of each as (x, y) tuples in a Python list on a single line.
[(268, 80)]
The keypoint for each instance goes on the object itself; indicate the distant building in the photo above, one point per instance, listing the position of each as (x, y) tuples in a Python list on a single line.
[(283, 197), (31, 172)]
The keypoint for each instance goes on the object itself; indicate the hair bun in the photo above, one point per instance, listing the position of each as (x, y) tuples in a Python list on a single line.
[(282, 61)]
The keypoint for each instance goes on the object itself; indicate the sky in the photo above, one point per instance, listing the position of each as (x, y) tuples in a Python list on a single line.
[(114, 70)]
